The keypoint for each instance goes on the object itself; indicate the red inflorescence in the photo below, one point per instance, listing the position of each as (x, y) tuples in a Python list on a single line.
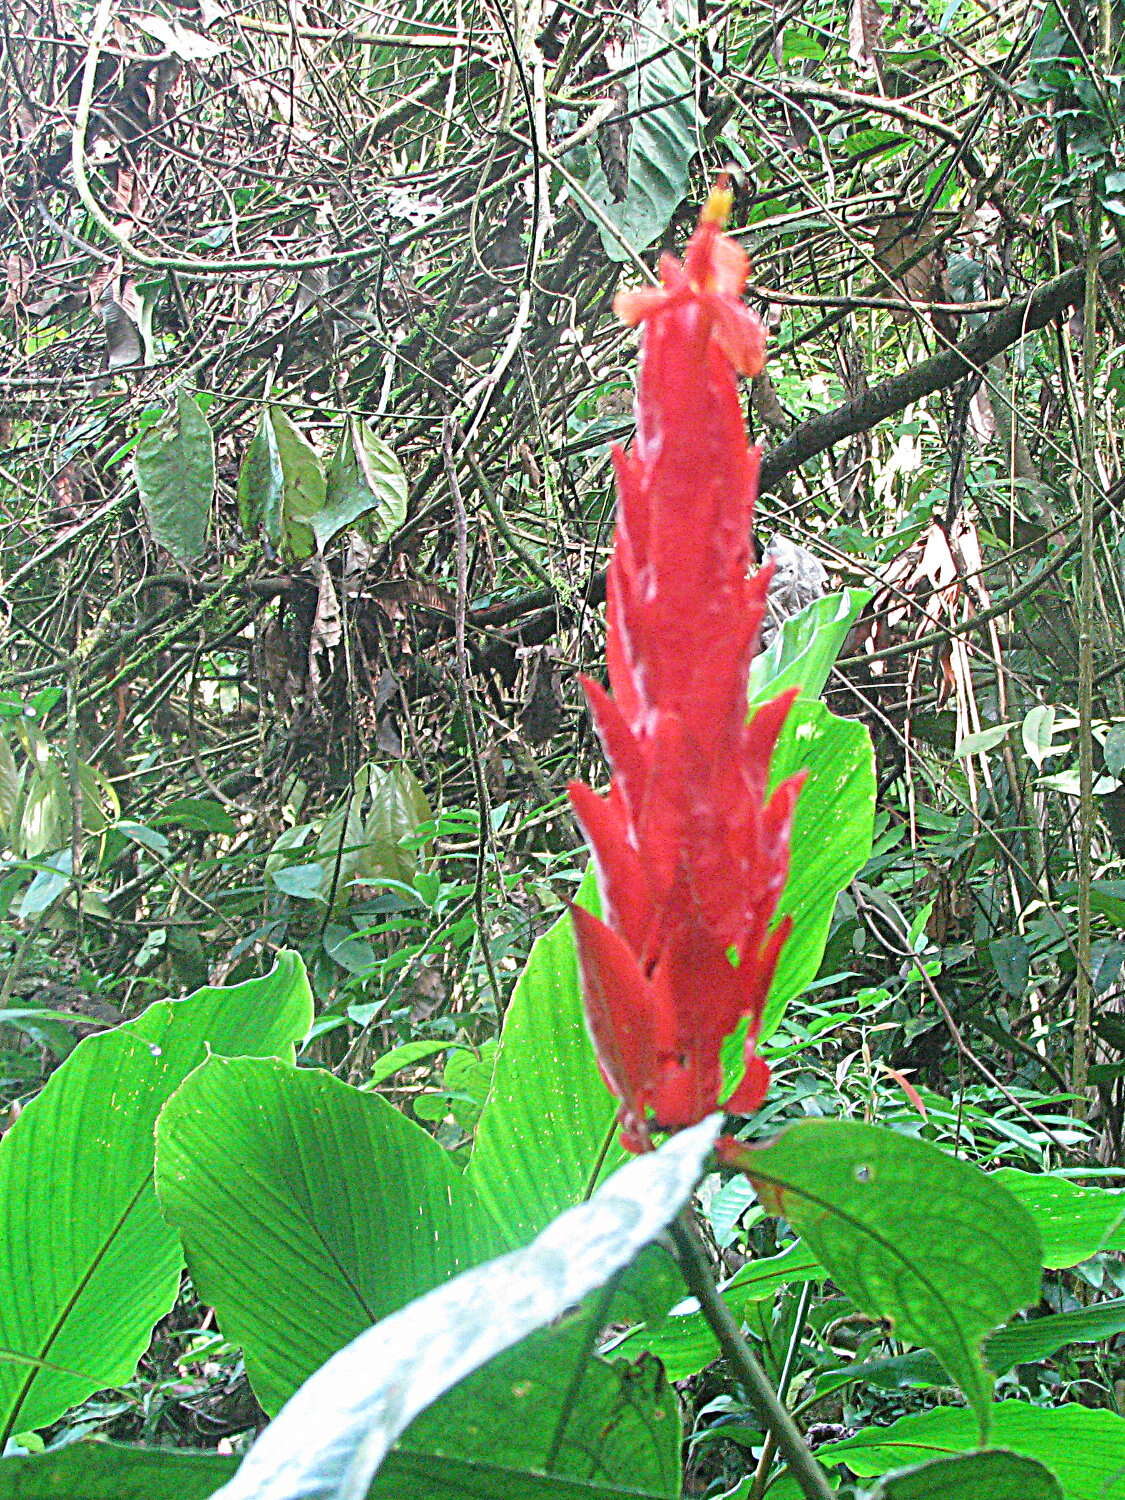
[(691, 855)]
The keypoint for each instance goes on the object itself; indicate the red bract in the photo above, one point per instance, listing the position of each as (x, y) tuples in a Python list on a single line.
[(690, 854)]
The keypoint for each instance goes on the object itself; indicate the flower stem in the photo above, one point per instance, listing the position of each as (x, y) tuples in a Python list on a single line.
[(696, 1268)]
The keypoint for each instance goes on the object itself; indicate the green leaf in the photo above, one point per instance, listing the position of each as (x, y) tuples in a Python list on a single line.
[(261, 485), (364, 476), (200, 814), (831, 841), (526, 1420), (330, 1439), (340, 1211), (175, 468), (11, 792), (1038, 732), (984, 740), (1114, 750), (1074, 1223), (303, 489), (549, 1117), (1084, 1448), (1038, 1338), (803, 651), (404, 1056), (1019, 1343), (113, 1471), (997, 1475), (908, 1233), (77, 1201), (662, 140), (683, 1341)]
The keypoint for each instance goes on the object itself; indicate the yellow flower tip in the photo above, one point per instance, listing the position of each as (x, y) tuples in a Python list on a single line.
[(717, 208)]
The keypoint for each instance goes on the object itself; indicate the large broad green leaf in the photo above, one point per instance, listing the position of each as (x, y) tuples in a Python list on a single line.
[(803, 651), (303, 487), (625, 1407), (261, 485), (910, 1234), (330, 1439), (1084, 1448), (996, 1475), (112, 1471), (547, 1129), (1074, 1222), (663, 125), (365, 477), (542, 1412), (831, 840), (308, 1210), (175, 468), (87, 1263)]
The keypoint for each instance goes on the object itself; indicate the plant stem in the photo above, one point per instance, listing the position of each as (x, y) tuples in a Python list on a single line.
[(769, 1447), (697, 1273)]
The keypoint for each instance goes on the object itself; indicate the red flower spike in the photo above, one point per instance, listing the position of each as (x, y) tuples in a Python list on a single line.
[(691, 855)]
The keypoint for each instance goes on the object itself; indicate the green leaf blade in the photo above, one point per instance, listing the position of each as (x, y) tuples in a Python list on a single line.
[(174, 466), (910, 1234), (77, 1201)]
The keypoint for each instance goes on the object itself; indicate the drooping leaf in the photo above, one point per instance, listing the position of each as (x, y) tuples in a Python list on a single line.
[(803, 651), (909, 1233), (831, 841), (329, 1440), (175, 468), (660, 107), (303, 487), (1084, 1448), (996, 1475), (1073, 1222), (77, 1200), (341, 1211), (365, 478), (261, 485)]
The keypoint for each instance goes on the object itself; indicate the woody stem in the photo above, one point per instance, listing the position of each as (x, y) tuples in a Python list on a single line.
[(696, 1268)]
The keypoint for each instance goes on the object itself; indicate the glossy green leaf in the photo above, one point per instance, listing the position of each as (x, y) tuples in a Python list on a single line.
[(330, 1439), (908, 1233), (113, 1471), (303, 487), (832, 834), (544, 1412), (547, 1129), (804, 650), (174, 464), (996, 1475), (308, 1210), (261, 485), (77, 1200), (365, 479), (1074, 1222), (1084, 1448), (653, 180)]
